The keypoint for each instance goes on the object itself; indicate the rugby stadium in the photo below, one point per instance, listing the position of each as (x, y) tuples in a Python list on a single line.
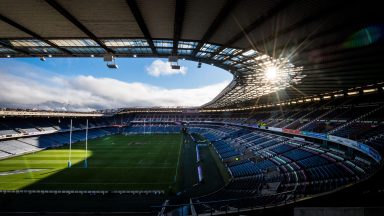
[(297, 130)]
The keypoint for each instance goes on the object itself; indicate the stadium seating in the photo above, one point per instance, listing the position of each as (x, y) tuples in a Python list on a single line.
[(152, 128), (276, 165), (36, 143), (265, 168)]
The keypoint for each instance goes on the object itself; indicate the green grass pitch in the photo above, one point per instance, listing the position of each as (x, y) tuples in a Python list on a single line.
[(133, 162)]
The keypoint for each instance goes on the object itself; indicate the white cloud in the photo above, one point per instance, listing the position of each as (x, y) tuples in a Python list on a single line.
[(49, 91), (162, 68)]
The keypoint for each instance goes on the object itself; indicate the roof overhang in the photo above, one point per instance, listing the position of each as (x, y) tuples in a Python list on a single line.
[(338, 44)]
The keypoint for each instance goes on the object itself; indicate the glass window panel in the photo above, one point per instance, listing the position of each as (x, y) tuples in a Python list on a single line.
[(218, 57), (141, 50), (209, 48), (250, 52), (126, 43), (28, 43), (164, 51), (228, 62), (250, 61), (86, 50), (75, 42), (230, 51), (187, 45), (138, 50), (203, 55), (238, 58), (242, 69), (163, 43), (40, 50), (6, 50), (184, 51)]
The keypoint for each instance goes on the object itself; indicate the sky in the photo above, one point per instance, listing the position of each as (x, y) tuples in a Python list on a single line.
[(86, 84)]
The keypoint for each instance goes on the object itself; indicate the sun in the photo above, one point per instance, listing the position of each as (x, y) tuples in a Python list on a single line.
[(271, 73)]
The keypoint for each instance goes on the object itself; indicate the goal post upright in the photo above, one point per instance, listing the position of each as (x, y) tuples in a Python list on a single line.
[(70, 146), (86, 146)]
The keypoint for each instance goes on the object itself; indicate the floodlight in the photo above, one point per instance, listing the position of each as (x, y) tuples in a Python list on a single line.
[(175, 67), (8, 56), (112, 65), (42, 58), (134, 56)]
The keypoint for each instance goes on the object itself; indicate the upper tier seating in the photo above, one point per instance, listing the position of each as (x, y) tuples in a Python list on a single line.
[(152, 128)]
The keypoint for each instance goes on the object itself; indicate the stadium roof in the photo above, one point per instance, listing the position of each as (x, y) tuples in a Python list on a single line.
[(336, 44)]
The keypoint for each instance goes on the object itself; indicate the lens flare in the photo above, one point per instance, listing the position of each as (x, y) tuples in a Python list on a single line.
[(365, 37), (271, 73)]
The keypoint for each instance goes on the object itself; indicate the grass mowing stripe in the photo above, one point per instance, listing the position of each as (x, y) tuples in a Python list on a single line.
[(178, 159)]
